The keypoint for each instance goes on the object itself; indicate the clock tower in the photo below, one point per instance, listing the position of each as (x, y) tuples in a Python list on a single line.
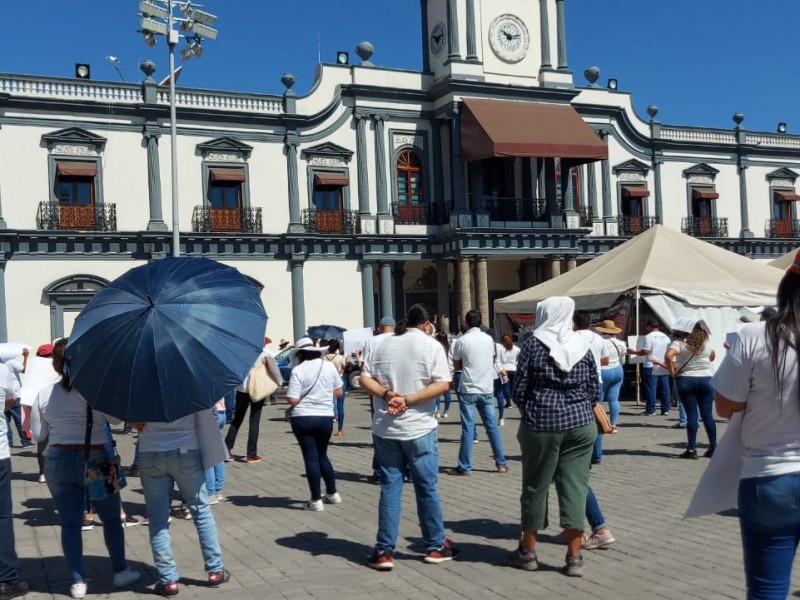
[(522, 42)]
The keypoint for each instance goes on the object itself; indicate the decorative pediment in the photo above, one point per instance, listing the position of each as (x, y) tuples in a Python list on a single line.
[(701, 170), (327, 150), (782, 174), (632, 166), (225, 149), (72, 140)]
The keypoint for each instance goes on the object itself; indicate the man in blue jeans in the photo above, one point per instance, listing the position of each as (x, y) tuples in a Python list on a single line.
[(655, 375), (475, 356)]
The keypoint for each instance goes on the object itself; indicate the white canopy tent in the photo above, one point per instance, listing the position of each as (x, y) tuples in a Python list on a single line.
[(785, 261), (675, 274)]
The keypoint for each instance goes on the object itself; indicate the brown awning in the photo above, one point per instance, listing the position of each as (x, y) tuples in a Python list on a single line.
[(492, 128), (335, 179), (787, 196), (631, 191), (221, 174), (76, 169), (704, 194)]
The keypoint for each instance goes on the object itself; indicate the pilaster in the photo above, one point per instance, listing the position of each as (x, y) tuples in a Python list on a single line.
[(544, 35), (453, 50), (290, 145), (561, 27), (472, 51), (385, 221), (463, 277), (298, 298), (156, 222), (482, 288), (368, 294), (385, 280), (361, 164)]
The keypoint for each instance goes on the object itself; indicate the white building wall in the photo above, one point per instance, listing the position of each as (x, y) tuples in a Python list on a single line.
[(23, 174), (333, 293), (759, 198), (274, 275), (269, 185), (124, 166)]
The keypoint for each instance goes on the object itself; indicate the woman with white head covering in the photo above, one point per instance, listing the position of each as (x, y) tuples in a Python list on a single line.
[(555, 389)]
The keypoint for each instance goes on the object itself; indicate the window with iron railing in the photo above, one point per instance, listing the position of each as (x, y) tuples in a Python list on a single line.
[(52, 215)]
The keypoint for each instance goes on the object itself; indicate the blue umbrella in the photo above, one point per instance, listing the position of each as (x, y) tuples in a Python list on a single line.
[(166, 339), (326, 332)]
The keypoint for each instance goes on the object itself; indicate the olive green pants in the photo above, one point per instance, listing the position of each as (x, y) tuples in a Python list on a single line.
[(562, 458)]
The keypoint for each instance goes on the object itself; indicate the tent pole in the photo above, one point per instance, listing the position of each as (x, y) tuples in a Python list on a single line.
[(638, 366)]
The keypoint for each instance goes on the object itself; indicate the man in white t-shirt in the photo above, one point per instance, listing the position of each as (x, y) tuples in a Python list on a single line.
[(655, 374), (474, 356), (597, 345), (16, 368)]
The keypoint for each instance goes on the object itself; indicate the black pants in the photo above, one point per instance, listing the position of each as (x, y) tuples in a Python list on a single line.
[(313, 435), (8, 556), (242, 403)]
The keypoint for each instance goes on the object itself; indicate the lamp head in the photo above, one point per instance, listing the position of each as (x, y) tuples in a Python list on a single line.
[(612, 84), (342, 57), (82, 71)]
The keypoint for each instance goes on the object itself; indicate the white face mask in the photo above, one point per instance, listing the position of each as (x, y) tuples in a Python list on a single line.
[(431, 329)]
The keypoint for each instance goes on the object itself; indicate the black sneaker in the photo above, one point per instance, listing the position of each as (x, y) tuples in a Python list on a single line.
[(166, 589), (13, 590), (133, 471), (181, 512), (692, 454), (381, 560), (87, 525), (440, 555)]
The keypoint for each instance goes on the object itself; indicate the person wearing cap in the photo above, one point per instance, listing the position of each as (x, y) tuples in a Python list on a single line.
[(612, 376), (655, 374), (314, 385), (690, 358), (759, 379)]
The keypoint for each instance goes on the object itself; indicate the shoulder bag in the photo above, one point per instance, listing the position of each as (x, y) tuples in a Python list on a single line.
[(601, 419), (260, 384), (288, 414)]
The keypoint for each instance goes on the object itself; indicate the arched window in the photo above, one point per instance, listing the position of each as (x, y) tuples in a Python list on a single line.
[(67, 297), (409, 179)]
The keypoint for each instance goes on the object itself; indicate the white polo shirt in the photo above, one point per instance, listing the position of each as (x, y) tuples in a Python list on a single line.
[(475, 349), (6, 391)]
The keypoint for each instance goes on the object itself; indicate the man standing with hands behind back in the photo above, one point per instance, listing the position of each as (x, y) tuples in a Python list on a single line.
[(655, 374)]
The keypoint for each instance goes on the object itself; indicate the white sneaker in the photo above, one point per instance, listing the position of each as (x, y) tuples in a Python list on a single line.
[(502, 422), (42, 479), (212, 499), (444, 415), (333, 498), (475, 441), (313, 505), (126, 577), (220, 497), (78, 590)]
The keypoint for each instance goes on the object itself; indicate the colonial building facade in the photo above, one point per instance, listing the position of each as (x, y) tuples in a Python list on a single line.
[(488, 171)]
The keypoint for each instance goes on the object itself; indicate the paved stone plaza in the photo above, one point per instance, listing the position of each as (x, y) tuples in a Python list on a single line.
[(276, 550)]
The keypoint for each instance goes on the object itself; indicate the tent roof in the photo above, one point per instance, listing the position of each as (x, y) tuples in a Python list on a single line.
[(663, 259), (785, 261)]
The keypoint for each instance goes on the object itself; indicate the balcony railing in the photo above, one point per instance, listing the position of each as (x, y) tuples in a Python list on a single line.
[(412, 214), (782, 228), (331, 221), (206, 219), (515, 209), (586, 215), (705, 226), (634, 225), (53, 216)]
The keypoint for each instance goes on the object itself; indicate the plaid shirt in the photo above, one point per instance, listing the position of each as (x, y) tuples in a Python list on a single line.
[(552, 400)]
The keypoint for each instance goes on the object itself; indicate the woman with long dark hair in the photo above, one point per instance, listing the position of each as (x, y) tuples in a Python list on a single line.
[(444, 340), (760, 376), (59, 414), (314, 386), (689, 360)]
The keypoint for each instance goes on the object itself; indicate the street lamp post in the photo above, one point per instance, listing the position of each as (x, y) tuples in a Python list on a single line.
[(157, 19)]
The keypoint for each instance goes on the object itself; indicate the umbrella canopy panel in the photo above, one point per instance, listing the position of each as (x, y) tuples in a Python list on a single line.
[(166, 339)]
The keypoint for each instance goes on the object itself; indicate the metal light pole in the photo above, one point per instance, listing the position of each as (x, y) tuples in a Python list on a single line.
[(157, 19)]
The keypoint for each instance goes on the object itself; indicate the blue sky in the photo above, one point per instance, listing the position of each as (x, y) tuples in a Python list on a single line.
[(698, 60)]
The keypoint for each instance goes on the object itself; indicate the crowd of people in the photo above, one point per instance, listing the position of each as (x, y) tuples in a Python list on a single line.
[(555, 378)]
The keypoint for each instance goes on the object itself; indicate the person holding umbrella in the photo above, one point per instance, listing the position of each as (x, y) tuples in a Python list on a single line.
[(59, 415)]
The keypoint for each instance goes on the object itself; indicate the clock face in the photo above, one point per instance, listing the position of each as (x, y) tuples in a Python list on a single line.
[(437, 38), (509, 38)]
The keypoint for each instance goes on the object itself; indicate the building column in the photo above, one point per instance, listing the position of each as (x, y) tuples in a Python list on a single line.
[(452, 30), (399, 274), (443, 294), (572, 263), (385, 291), (567, 191), (156, 222), (439, 201), (555, 266), (561, 27), (380, 167), (298, 299), (464, 300), (295, 222), (741, 163), (544, 35), (456, 166), (3, 310), (361, 164), (368, 294), (657, 191), (482, 288), (609, 214), (426, 61), (592, 191), (472, 51), (550, 186)]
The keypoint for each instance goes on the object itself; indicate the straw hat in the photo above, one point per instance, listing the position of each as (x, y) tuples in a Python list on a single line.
[(307, 345), (607, 326)]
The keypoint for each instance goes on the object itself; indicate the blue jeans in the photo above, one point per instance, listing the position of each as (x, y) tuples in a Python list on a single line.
[(508, 386), (65, 472), (230, 406), (159, 470), (9, 563), (484, 404), (15, 414), (612, 384), (697, 396), (215, 476), (769, 516), (501, 399), (447, 400), (593, 513), (313, 435), (421, 456), (653, 384)]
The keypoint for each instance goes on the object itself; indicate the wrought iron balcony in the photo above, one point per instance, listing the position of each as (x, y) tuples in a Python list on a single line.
[(52, 216), (207, 219), (586, 215), (515, 209), (634, 225), (783, 228), (705, 226), (331, 221), (412, 214)]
